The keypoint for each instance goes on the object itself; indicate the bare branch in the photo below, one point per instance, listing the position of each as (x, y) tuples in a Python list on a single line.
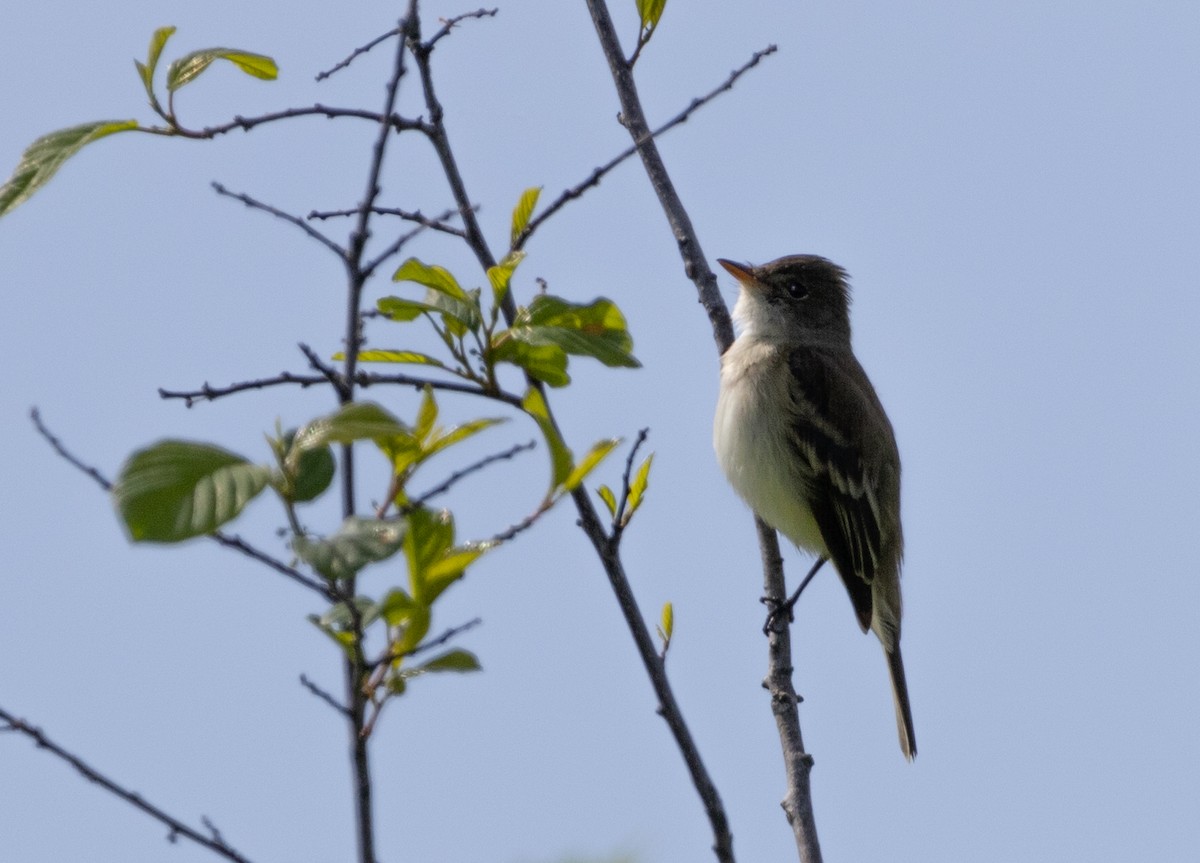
[(358, 52), (210, 393), (448, 24), (255, 204), (238, 544), (325, 696), (394, 121), (448, 483), (417, 216), (445, 636), (65, 454), (213, 842), (593, 179), (437, 224)]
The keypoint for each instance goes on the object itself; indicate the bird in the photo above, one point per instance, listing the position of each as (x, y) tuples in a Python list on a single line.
[(802, 437)]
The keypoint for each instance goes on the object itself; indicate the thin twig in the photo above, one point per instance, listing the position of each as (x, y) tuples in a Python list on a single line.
[(448, 483), (324, 696), (240, 545), (210, 393), (399, 243), (332, 375), (593, 179), (65, 454), (245, 124), (417, 216), (619, 516), (358, 52), (214, 842), (448, 24), (255, 204), (234, 542), (513, 531), (428, 645)]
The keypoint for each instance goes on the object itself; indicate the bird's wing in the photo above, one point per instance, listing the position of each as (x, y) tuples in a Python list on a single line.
[(829, 412)]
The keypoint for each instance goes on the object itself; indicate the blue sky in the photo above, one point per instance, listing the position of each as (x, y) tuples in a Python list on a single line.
[(1012, 186)]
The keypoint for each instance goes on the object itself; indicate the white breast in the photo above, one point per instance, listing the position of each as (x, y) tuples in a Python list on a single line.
[(751, 437)]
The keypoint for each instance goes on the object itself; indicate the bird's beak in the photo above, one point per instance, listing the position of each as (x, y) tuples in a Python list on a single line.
[(741, 272)]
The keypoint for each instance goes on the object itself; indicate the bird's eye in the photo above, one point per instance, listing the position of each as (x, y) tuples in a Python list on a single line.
[(797, 291)]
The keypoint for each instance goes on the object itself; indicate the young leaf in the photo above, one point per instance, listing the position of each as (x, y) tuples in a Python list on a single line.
[(637, 489), (454, 660), (42, 159), (430, 536), (597, 329), (523, 212), (431, 276), (174, 490), (650, 11), (396, 607), (359, 542), (353, 422), (188, 67), (459, 433), (157, 41), (382, 356), (589, 462), (501, 275), (561, 459), (610, 500), (449, 569), (547, 363), (427, 415), (667, 624)]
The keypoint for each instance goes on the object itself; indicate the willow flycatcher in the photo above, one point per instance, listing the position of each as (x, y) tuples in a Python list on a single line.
[(803, 438)]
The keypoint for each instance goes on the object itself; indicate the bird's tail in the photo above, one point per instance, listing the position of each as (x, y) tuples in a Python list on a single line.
[(904, 720)]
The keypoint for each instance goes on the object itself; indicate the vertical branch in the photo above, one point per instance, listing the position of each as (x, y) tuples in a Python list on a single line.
[(356, 665), (606, 546), (797, 802)]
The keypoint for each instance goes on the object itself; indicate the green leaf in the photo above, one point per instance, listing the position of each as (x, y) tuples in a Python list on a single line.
[(610, 500), (597, 329), (397, 607), (458, 315), (174, 490), (416, 627), (381, 356), (353, 422), (146, 71), (188, 67), (157, 42), (501, 275), (431, 276), (650, 11), (430, 536), (344, 640), (589, 462), (523, 212), (667, 624), (544, 362), (459, 433), (453, 660), (450, 568), (42, 159), (427, 415), (314, 473), (637, 488), (561, 459), (359, 542)]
